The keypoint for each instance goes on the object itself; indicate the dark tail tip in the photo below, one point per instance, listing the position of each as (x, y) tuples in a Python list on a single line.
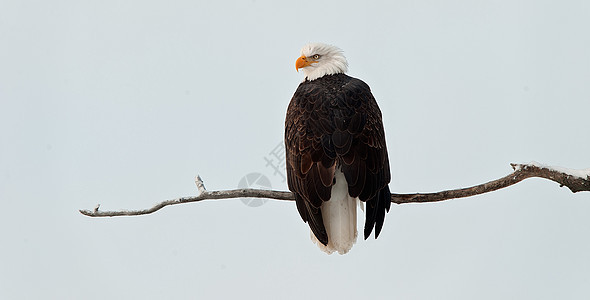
[(376, 209)]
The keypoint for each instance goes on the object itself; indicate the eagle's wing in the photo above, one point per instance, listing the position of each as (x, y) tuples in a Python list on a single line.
[(328, 128)]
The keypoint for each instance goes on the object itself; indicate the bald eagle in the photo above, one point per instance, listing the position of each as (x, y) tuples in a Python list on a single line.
[(335, 150)]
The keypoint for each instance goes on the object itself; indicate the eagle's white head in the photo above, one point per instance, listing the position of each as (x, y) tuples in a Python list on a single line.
[(319, 59)]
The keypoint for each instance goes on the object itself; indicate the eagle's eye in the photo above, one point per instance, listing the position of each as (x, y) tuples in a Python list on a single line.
[(316, 56)]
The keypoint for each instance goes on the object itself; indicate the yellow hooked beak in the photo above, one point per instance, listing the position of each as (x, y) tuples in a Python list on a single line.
[(303, 62)]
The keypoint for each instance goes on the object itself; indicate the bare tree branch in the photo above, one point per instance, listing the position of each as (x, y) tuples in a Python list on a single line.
[(575, 180), (565, 177)]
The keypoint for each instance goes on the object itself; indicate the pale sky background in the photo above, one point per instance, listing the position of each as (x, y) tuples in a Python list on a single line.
[(122, 103)]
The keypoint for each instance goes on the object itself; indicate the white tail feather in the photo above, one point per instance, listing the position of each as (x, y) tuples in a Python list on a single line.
[(339, 214)]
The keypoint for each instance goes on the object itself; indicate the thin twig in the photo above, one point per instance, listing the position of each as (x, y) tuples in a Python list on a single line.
[(200, 185), (573, 180), (227, 194)]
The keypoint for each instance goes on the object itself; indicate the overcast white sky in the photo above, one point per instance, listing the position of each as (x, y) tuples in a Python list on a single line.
[(123, 103)]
